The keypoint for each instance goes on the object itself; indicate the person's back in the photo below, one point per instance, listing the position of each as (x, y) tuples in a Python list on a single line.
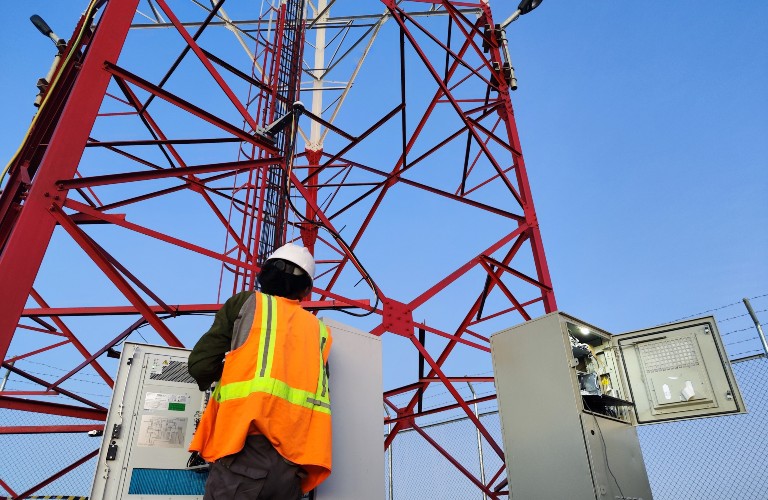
[(267, 428)]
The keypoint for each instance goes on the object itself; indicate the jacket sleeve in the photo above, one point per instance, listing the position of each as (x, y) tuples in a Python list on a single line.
[(206, 361)]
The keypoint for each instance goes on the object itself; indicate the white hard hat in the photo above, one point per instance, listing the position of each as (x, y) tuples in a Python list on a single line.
[(298, 255)]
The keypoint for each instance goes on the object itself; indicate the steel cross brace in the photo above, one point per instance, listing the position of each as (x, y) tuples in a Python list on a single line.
[(24, 250), (518, 234)]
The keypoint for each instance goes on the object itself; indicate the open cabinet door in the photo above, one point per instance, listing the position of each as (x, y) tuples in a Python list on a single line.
[(679, 371)]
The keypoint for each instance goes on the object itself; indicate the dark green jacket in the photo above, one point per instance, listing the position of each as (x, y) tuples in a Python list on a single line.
[(206, 362)]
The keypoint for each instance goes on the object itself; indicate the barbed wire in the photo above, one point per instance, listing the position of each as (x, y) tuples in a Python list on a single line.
[(741, 315), (57, 368), (742, 341), (753, 351), (718, 308), (459, 387), (736, 331)]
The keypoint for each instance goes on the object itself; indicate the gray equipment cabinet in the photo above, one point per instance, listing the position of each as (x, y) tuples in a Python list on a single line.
[(570, 396)]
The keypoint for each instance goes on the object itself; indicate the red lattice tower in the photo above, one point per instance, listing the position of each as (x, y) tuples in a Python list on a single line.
[(146, 192)]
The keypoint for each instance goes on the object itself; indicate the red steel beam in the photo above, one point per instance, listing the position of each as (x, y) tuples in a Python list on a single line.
[(455, 462), (26, 246), (496, 476), (451, 389), (397, 177), (518, 274), (95, 253), (121, 222), (103, 180), (520, 234), (54, 477), (207, 63), (156, 131), (441, 409), (49, 386), (505, 290), (417, 385), (62, 410), (396, 14), (51, 429), (73, 338), (136, 324), (127, 76), (7, 488), (539, 257), (180, 310), (37, 351), (40, 330), (398, 166)]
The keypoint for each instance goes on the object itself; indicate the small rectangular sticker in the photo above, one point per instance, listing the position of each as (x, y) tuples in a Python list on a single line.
[(176, 406), (163, 401)]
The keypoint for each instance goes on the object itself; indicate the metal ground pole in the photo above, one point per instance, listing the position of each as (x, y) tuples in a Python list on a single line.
[(757, 325)]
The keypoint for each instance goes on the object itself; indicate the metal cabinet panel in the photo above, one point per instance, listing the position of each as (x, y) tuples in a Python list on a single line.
[(615, 459), (540, 407), (679, 371), (356, 385), (149, 427)]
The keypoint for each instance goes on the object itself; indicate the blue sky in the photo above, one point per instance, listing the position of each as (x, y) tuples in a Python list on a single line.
[(643, 128)]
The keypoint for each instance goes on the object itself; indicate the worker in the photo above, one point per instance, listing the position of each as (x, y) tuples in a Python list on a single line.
[(267, 427)]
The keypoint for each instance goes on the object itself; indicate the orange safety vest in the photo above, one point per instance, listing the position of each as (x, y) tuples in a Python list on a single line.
[(275, 384)]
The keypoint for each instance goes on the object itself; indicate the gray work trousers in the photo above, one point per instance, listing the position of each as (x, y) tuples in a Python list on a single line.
[(257, 472)]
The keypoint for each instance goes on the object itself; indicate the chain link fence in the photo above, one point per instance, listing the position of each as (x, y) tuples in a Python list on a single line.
[(420, 472), (722, 457), (30, 460), (711, 458)]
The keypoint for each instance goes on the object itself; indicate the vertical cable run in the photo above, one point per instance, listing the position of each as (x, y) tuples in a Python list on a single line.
[(288, 70), (402, 95)]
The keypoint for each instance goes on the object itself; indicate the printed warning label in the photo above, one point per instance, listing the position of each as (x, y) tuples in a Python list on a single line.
[(158, 366)]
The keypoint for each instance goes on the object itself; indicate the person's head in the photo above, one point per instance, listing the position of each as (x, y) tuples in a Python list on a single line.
[(288, 272)]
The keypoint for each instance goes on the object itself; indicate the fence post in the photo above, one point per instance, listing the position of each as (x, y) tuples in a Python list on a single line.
[(5, 377), (479, 442), (757, 325), (391, 446)]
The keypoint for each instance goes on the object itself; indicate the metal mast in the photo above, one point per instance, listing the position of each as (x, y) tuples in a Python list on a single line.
[(145, 193)]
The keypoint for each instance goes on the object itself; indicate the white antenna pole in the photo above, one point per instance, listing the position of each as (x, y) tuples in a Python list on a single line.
[(318, 69)]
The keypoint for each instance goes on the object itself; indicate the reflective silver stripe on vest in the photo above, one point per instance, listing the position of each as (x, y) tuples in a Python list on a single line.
[(268, 335), (318, 403), (323, 366)]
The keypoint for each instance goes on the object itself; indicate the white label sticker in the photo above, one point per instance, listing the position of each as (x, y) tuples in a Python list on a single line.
[(163, 401), (688, 393), (667, 392), (162, 432)]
